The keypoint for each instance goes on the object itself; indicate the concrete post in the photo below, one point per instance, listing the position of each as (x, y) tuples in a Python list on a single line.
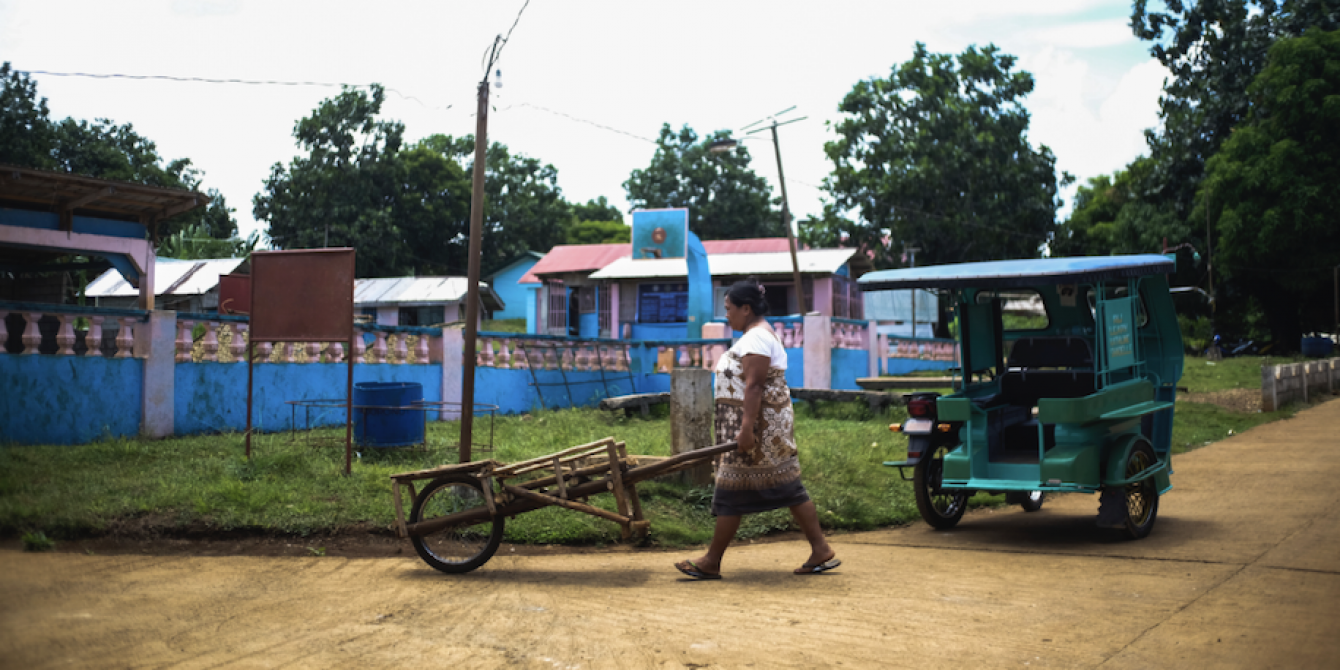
[(453, 347), (156, 345), (872, 349), (818, 352), (692, 414)]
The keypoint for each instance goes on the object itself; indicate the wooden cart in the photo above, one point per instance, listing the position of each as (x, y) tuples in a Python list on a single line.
[(456, 521)]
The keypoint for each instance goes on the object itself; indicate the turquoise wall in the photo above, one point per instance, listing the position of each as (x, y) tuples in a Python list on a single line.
[(212, 397), (514, 392), (847, 366), (69, 399), (513, 294)]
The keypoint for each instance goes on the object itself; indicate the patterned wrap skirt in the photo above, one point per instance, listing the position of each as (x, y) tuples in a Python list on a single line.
[(768, 477)]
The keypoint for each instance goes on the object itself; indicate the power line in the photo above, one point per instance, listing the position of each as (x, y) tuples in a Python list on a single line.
[(498, 54), (208, 80), (581, 120)]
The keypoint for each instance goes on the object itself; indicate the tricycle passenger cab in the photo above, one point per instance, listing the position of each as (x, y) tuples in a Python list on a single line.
[(1078, 397)]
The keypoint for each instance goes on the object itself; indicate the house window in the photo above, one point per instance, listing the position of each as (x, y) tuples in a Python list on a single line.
[(558, 308), (420, 316), (586, 299), (662, 303), (841, 297), (779, 299), (627, 303), (603, 308)]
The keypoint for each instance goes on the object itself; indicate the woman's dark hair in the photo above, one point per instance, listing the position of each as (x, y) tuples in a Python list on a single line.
[(748, 292)]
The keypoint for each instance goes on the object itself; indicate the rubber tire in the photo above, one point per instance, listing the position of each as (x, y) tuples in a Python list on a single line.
[(926, 477), (1146, 492), (470, 563), (1030, 501)]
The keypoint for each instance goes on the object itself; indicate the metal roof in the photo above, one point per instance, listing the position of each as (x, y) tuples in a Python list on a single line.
[(576, 258), (73, 192), (419, 290), (171, 277), (1019, 273), (811, 261), (587, 257), (757, 245)]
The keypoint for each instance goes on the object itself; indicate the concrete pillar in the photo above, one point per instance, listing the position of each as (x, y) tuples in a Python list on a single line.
[(156, 345), (453, 347), (692, 414), (872, 349), (818, 349)]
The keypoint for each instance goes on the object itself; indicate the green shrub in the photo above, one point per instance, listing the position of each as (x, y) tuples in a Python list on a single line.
[(38, 541)]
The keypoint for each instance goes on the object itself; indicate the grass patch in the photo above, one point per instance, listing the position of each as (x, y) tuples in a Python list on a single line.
[(503, 326), (1205, 376), (296, 487), (204, 483)]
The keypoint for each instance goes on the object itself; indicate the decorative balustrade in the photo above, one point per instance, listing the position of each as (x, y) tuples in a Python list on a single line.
[(68, 330), (543, 352), (850, 334)]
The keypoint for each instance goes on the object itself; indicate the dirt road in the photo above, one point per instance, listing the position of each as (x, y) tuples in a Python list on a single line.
[(1243, 570)]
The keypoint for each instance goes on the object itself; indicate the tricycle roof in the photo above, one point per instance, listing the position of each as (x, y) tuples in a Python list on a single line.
[(1018, 273)]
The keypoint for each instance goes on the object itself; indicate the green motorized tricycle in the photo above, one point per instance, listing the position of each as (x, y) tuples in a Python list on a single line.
[(1078, 397)]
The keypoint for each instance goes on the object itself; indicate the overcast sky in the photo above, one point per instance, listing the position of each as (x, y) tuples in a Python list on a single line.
[(586, 83)]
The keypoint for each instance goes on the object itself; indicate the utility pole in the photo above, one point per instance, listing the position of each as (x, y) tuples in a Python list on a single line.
[(472, 271), (724, 145), (786, 223)]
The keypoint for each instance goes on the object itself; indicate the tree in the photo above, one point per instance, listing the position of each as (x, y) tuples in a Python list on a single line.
[(937, 155), (725, 198), (26, 135), (599, 232), (345, 191), (434, 211), (102, 149), (524, 208), (1110, 217), (1270, 189), (1213, 49), (596, 210), (195, 243)]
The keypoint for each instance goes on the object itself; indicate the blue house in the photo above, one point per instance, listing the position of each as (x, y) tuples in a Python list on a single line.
[(519, 296)]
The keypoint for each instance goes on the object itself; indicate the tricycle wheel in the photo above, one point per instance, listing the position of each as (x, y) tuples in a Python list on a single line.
[(1140, 499), (1031, 501), (459, 548), (941, 508)]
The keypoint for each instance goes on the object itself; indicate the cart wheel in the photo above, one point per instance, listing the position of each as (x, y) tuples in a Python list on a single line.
[(460, 548), (941, 508), (1031, 501), (1140, 499)]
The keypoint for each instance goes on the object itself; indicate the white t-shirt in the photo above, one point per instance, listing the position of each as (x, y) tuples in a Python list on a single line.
[(762, 341)]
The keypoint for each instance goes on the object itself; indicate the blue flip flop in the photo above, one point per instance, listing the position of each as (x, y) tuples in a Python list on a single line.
[(692, 570), (811, 569)]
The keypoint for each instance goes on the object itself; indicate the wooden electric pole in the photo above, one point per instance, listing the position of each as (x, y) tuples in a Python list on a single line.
[(472, 272)]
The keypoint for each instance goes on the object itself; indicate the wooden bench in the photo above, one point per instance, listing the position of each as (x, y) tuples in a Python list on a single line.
[(904, 383), (628, 403)]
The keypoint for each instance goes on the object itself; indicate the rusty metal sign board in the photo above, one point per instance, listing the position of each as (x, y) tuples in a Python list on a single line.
[(235, 294), (303, 295)]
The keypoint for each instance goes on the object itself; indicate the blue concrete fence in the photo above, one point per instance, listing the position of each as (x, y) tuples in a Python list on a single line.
[(75, 374)]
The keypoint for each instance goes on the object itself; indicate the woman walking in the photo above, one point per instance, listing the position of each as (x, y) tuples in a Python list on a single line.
[(753, 407)]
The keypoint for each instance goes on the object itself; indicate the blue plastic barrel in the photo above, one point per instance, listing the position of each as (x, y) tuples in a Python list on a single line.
[(1316, 347), (382, 417)]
